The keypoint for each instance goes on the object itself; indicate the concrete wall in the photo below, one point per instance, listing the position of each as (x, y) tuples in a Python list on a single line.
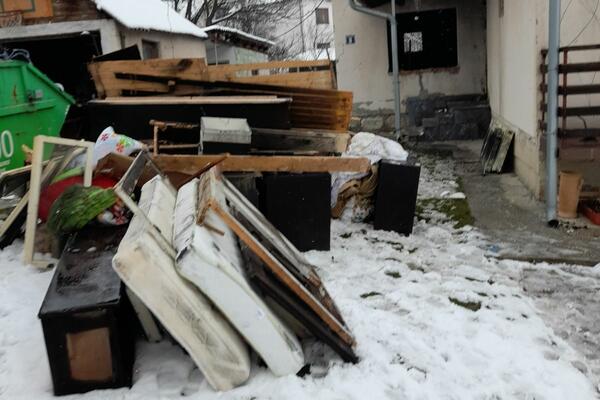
[(363, 66), (170, 46)]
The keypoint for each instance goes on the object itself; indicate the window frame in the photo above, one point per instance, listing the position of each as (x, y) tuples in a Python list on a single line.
[(156, 44), (453, 59), (322, 16)]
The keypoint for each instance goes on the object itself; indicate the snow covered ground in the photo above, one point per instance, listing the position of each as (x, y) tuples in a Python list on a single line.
[(433, 316)]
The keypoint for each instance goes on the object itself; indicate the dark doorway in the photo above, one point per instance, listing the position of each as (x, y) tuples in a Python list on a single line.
[(64, 60)]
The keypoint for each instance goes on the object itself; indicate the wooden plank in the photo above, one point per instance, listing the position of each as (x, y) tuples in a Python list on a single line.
[(575, 68), (107, 84), (307, 74), (189, 164), (578, 111), (181, 68), (193, 100), (316, 79), (300, 140), (308, 103), (215, 69), (574, 89)]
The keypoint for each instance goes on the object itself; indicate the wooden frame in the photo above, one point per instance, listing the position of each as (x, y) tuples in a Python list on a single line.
[(161, 126), (37, 181), (278, 255)]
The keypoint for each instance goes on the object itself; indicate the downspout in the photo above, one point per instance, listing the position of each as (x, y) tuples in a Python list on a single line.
[(552, 112), (391, 17)]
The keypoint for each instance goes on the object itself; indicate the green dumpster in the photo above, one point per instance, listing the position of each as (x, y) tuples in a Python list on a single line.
[(30, 105)]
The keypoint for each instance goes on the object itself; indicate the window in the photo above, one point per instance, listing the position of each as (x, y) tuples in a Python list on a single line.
[(150, 49), (322, 16), (324, 45), (426, 40)]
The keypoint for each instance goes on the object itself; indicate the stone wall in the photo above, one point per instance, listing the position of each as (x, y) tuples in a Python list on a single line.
[(431, 118)]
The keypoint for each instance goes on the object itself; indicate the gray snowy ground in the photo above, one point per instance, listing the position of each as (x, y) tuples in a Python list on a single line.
[(434, 318)]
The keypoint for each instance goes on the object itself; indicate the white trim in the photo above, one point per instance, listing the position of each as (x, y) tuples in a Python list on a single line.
[(35, 186)]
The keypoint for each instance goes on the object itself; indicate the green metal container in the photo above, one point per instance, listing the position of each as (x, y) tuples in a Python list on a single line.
[(30, 105)]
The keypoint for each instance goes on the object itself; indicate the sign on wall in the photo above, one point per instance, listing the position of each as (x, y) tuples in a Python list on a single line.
[(27, 8)]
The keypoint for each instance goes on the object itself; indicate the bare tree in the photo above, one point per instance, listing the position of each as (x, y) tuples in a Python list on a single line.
[(258, 17), (251, 16)]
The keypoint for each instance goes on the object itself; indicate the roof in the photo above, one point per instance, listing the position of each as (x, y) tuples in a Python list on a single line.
[(152, 15), (239, 37)]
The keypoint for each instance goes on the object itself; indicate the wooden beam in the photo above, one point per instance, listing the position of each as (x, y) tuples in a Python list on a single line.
[(300, 140), (159, 100), (189, 164)]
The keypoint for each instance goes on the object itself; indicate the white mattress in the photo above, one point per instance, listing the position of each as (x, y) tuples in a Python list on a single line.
[(146, 264), (212, 261)]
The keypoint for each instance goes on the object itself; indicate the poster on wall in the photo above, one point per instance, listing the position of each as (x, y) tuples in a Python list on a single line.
[(27, 9)]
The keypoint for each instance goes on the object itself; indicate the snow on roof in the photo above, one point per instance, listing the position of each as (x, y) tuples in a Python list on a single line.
[(153, 15), (245, 35)]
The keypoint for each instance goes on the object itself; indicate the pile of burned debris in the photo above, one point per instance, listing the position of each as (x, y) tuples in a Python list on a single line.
[(201, 264), (186, 217)]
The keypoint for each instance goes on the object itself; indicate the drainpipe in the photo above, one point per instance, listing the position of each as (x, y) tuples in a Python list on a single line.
[(552, 112), (391, 17)]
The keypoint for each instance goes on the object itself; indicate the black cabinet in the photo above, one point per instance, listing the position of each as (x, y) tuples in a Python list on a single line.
[(87, 319), (396, 196)]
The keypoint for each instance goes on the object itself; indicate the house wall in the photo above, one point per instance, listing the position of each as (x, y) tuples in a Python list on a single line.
[(224, 53), (515, 40), (513, 52), (170, 45), (300, 33), (363, 66)]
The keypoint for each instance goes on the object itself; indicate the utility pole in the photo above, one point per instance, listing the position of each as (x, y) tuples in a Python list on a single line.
[(302, 25), (552, 112)]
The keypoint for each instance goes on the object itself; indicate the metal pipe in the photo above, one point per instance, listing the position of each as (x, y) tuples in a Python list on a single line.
[(552, 113), (391, 17)]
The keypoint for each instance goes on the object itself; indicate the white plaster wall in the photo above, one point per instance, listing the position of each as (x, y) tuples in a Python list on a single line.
[(170, 45), (247, 56), (514, 44), (225, 53), (289, 33), (513, 62), (363, 66), (219, 53)]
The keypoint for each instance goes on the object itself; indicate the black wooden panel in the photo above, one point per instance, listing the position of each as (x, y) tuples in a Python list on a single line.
[(396, 196), (299, 206)]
